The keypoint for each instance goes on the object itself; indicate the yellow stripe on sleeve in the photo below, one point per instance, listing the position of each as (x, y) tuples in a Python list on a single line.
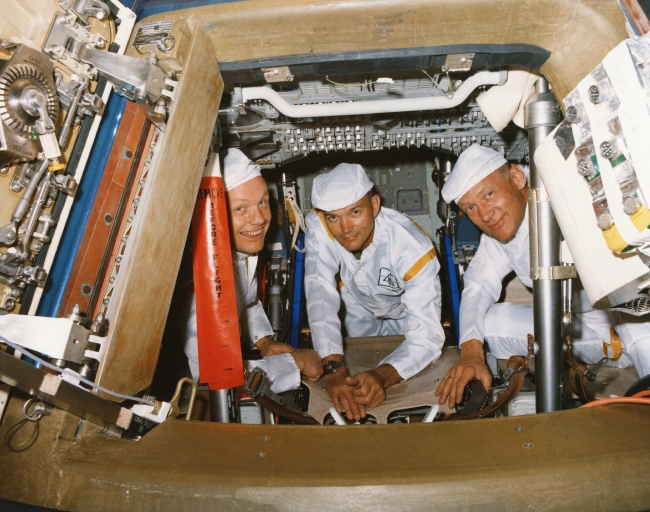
[(419, 264)]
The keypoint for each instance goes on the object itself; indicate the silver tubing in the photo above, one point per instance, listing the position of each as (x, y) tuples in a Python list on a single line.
[(222, 406), (542, 114)]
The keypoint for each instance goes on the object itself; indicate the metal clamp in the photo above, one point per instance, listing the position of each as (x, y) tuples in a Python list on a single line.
[(590, 373), (507, 375), (555, 273), (256, 386)]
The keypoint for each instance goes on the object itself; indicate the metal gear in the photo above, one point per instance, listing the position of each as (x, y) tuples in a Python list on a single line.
[(13, 81)]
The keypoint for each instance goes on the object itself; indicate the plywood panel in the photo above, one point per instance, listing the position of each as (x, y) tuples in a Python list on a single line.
[(137, 325)]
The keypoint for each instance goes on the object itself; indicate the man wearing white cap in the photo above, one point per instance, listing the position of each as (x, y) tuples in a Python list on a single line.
[(388, 285), (493, 193), (249, 216)]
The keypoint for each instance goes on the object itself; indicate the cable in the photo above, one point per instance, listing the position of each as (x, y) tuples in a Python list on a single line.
[(72, 374), (618, 400), (355, 85), (434, 82), (641, 394)]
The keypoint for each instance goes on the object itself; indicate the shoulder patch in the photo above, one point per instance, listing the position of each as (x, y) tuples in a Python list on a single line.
[(388, 280)]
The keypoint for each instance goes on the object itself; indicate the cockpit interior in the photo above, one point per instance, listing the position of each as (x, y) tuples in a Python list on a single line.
[(117, 120)]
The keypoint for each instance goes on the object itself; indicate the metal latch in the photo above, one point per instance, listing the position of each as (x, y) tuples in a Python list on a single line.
[(256, 386), (507, 375), (590, 373), (175, 409)]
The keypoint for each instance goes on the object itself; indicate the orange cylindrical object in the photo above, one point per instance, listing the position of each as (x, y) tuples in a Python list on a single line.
[(217, 323)]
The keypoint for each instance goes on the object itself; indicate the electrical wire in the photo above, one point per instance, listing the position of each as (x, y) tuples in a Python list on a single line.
[(641, 394), (434, 82), (617, 400), (352, 85), (72, 374)]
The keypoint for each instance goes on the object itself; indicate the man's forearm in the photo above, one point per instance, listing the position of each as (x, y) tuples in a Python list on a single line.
[(472, 348), (387, 374)]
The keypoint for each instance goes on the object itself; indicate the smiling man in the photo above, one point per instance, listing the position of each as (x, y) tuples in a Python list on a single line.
[(377, 269), (249, 216), (493, 193)]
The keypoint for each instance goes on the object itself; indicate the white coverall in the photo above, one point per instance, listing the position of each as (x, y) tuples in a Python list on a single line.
[(505, 326), (392, 289), (282, 370)]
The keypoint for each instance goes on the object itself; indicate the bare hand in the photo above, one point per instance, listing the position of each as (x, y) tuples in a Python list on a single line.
[(370, 389), (341, 386), (268, 347), (309, 363), (471, 364)]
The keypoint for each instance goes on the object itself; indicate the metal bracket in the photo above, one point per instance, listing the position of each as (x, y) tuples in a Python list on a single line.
[(555, 273), (59, 338), (458, 62), (256, 386), (277, 74), (138, 80)]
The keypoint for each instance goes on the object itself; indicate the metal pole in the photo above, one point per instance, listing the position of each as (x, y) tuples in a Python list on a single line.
[(542, 114), (223, 406)]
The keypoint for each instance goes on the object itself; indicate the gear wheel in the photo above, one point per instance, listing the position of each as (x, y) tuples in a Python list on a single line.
[(13, 81)]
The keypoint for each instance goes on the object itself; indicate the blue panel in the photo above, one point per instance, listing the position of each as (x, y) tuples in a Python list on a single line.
[(84, 200), (467, 233), (144, 8), (296, 304), (452, 279)]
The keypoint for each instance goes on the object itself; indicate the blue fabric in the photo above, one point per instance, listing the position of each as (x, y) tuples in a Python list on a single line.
[(298, 287)]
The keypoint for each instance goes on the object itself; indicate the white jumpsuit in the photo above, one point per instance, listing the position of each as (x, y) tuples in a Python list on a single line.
[(282, 370), (505, 326), (392, 289)]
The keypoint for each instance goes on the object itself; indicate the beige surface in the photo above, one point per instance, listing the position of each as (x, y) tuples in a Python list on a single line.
[(577, 33), (363, 354), (137, 326), (586, 459)]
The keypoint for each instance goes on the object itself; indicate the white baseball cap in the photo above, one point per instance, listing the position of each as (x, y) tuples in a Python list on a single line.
[(474, 164), (238, 169), (342, 186)]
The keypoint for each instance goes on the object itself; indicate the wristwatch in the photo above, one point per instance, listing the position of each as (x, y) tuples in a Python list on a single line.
[(333, 366)]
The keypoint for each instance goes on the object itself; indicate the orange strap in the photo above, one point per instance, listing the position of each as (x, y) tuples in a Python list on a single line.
[(616, 344)]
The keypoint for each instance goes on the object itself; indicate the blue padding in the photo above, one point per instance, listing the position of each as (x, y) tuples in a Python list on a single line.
[(74, 231), (296, 304), (454, 288)]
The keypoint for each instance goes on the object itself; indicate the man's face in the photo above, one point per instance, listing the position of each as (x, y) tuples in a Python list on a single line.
[(250, 215), (497, 205), (354, 226)]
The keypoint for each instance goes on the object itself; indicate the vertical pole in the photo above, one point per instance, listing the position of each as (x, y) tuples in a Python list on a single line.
[(542, 114)]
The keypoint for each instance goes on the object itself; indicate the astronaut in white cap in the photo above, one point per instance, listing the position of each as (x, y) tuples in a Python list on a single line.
[(388, 285), (249, 216), (493, 193)]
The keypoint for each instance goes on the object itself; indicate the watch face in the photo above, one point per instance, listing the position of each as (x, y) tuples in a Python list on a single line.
[(332, 366)]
